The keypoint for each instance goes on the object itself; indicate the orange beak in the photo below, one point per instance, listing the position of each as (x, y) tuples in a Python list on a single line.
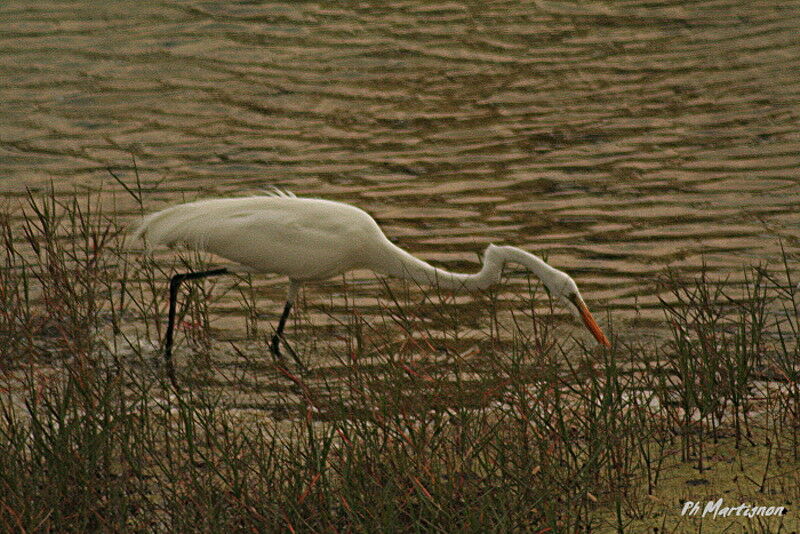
[(590, 323)]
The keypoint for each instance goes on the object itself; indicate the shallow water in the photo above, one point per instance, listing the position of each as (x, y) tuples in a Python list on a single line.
[(617, 138)]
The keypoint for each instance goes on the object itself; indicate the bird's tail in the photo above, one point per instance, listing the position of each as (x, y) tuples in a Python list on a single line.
[(177, 224)]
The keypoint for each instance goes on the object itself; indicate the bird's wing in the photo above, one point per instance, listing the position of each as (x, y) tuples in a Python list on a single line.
[(301, 238)]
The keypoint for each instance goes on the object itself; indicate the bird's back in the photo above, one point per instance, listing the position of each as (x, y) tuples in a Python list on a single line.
[(303, 238)]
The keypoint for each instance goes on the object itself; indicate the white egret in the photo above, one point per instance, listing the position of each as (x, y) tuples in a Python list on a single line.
[(309, 239)]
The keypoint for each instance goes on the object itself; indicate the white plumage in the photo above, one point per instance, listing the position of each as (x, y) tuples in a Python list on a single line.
[(302, 238), (310, 239)]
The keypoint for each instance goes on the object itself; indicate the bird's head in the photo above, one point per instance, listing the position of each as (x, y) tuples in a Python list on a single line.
[(565, 291), (558, 283)]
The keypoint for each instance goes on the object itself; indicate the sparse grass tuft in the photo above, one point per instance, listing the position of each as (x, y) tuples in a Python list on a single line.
[(428, 417)]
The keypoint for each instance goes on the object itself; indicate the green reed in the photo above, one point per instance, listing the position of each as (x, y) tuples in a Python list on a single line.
[(431, 416)]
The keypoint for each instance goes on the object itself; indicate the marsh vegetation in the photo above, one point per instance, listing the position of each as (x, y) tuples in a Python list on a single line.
[(435, 414)]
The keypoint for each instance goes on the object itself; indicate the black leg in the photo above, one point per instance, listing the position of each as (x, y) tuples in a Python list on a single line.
[(276, 339), (174, 284)]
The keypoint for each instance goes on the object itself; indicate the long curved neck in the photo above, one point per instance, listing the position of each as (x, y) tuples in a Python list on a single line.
[(397, 262)]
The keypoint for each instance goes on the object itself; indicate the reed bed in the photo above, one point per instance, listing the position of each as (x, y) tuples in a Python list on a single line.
[(426, 419)]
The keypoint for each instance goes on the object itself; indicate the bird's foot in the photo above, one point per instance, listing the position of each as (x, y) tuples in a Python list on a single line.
[(275, 349), (279, 358)]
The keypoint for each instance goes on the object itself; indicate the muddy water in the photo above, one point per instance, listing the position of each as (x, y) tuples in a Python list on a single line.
[(615, 137)]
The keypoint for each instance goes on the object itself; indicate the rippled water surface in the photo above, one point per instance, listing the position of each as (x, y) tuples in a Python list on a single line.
[(615, 137)]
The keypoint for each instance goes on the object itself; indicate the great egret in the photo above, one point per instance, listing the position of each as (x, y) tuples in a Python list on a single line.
[(310, 239)]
